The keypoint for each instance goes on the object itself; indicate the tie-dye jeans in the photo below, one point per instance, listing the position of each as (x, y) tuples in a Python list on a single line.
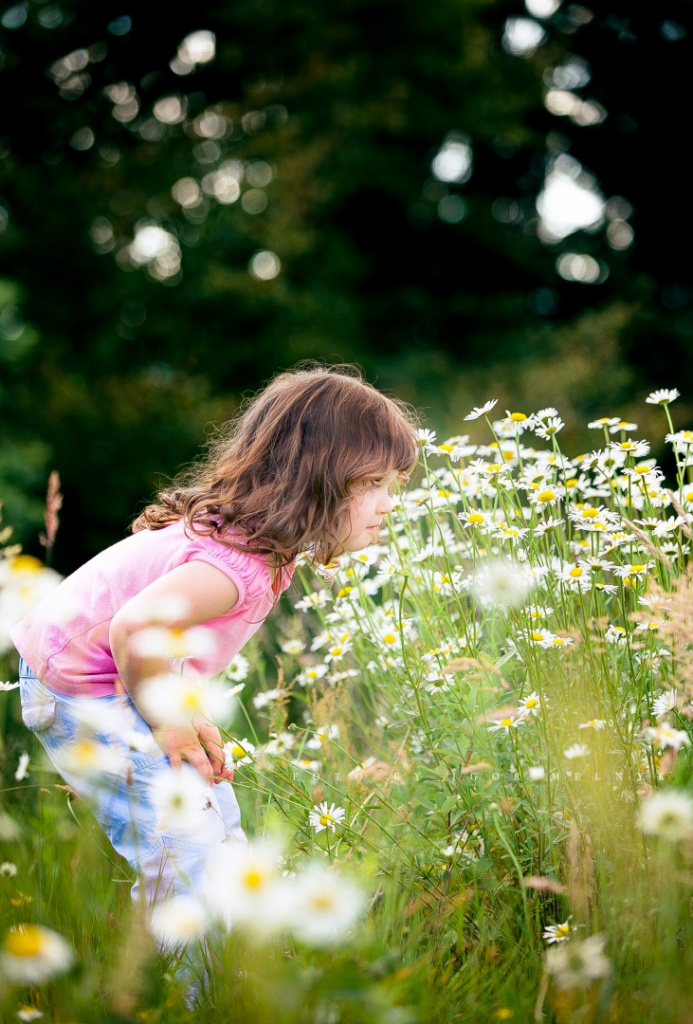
[(165, 863)]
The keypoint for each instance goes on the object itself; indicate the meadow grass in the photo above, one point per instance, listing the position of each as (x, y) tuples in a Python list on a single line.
[(483, 721)]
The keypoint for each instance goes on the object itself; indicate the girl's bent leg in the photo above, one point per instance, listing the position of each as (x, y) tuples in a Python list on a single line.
[(122, 771)]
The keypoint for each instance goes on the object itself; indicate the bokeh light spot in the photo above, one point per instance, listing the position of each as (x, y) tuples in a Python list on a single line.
[(264, 265), (453, 161), (452, 209), (581, 268), (522, 36)]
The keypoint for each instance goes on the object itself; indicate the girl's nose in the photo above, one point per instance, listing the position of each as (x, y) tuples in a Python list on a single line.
[(385, 504)]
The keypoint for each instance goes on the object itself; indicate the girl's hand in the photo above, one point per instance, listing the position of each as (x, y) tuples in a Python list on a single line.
[(181, 743), (210, 739)]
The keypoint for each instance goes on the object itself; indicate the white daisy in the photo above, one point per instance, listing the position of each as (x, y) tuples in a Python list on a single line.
[(322, 817), (662, 396), (668, 814), (481, 410), (31, 954), (578, 964)]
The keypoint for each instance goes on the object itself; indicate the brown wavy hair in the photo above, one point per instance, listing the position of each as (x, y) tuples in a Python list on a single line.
[(280, 473)]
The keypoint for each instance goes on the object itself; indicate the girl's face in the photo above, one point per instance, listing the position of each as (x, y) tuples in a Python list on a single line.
[(371, 500)]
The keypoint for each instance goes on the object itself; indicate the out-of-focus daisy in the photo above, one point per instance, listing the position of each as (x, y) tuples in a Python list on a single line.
[(31, 954), (575, 750), (323, 906), (180, 799), (578, 964), (265, 697), (178, 921), (664, 735), (503, 582), (663, 396), (323, 817), (8, 869), (22, 767), (293, 647), (622, 425), (594, 723), (481, 410), (557, 932), (86, 757), (237, 753), (311, 674), (536, 773), (242, 886), (668, 814), (322, 736), (5, 687), (280, 743), (166, 642), (238, 669), (602, 422), (175, 700), (616, 635), (665, 703), (28, 1013)]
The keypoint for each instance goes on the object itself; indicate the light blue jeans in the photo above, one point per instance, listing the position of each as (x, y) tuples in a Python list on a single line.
[(165, 864)]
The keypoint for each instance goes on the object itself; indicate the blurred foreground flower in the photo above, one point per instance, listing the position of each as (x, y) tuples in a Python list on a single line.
[(668, 814), (24, 581), (178, 921), (30, 954), (503, 582), (176, 700), (578, 964), (323, 906)]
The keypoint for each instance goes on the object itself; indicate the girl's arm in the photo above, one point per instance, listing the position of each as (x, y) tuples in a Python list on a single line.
[(204, 593)]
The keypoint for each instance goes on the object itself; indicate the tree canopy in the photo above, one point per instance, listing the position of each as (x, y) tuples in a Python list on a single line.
[(190, 202)]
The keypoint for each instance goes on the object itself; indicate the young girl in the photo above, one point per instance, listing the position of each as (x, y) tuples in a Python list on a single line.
[(308, 466)]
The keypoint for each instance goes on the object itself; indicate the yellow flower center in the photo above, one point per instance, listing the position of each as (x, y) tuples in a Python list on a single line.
[(444, 493), (572, 482), (238, 751), (344, 591), (537, 636), (254, 878), (518, 417), (532, 703), (26, 563), (563, 930), (589, 513), (546, 496), (25, 941), (576, 571), (191, 702), (85, 752), (507, 722), (558, 641), (476, 519), (323, 902), (446, 447), (326, 819), (389, 638)]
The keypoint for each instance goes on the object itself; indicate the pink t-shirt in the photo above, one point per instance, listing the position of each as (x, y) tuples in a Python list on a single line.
[(65, 638)]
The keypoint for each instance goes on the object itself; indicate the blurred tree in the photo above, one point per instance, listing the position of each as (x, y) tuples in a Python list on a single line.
[(191, 202)]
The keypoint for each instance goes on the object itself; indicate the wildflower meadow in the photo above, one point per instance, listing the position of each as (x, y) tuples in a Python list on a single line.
[(463, 757)]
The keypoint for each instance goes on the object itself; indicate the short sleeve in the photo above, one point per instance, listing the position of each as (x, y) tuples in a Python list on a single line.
[(247, 572)]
